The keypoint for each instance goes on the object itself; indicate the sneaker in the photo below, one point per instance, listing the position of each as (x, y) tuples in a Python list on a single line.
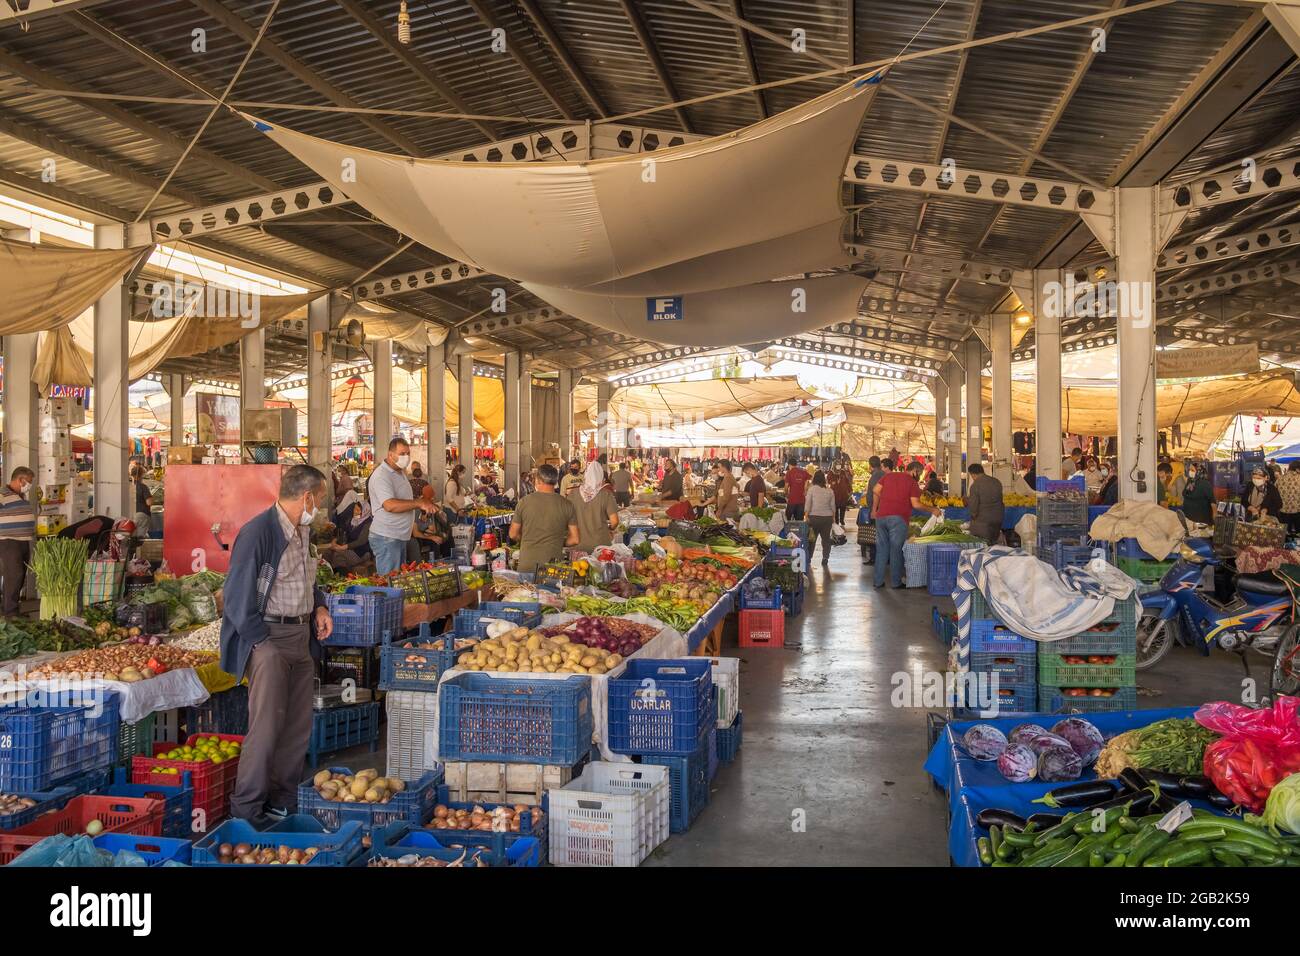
[(275, 813)]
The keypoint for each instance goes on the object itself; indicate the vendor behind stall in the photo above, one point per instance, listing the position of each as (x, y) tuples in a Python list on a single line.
[(755, 486), (1261, 499), (727, 498), (17, 529), (544, 523), (670, 486), (595, 509)]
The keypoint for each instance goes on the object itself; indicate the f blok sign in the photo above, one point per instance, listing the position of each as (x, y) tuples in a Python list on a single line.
[(664, 309)]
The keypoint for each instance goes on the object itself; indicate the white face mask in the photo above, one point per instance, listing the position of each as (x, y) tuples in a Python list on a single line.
[(25, 487), (1105, 472), (1259, 482), (403, 461), (308, 516)]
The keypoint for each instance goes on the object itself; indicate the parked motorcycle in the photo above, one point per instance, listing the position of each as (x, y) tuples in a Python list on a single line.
[(1260, 615)]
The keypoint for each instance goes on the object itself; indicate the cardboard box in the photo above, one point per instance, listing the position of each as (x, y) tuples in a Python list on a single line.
[(185, 454), (65, 411)]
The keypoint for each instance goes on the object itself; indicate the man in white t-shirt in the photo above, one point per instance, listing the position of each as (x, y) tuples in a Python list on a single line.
[(394, 507)]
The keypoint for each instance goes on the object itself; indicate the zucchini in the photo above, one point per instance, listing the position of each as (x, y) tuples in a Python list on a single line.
[(1118, 860), (985, 851), (1226, 857), (995, 839), (1149, 840), (1024, 838), (1193, 854), (1065, 825)]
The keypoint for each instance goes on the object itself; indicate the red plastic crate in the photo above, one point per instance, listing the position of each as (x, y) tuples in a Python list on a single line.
[(213, 782), (138, 815), (11, 844), (762, 628)]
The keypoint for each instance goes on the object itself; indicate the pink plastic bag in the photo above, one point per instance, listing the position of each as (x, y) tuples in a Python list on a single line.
[(1258, 748)]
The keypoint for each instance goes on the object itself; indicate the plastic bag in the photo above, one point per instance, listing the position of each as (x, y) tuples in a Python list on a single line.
[(1258, 748), (63, 850), (935, 521), (200, 602)]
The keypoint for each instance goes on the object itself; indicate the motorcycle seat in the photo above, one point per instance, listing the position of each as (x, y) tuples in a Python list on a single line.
[(1263, 583)]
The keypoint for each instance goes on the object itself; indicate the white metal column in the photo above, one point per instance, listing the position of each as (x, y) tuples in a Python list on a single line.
[(1136, 245), (176, 388), (20, 394), (511, 388), (526, 460), (435, 400), (604, 392), (974, 365), (565, 384), (1047, 365), (939, 389), (953, 376), (383, 410), (465, 387), (111, 381), (252, 372), (320, 383), (1000, 342)]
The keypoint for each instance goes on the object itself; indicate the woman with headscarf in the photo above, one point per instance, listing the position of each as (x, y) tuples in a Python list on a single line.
[(596, 509), (1261, 498), (346, 496), (351, 545)]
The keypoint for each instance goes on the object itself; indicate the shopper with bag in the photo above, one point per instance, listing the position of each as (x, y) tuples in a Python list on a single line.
[(820, 510), (896, 496)]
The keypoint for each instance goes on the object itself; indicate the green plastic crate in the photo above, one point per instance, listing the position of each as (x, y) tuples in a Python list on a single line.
[(1143, 570), (1054, 672), (135, 740)]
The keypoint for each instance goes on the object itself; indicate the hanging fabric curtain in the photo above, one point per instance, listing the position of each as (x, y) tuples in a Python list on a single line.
[(66, 356), (678, 247), (46, 287)]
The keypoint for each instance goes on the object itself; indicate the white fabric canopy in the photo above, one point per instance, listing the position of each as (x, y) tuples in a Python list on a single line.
[(46, 287), (725, 213)]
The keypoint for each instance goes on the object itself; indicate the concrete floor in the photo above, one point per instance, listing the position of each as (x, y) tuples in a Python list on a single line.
[(829, 773)]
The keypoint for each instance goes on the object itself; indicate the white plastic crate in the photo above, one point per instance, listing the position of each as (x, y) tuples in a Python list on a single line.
[(412, 733), (726, 678), (614, 814), (167, 727), (488, 782)]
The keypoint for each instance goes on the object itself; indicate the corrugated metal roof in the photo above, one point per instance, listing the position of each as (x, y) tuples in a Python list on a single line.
[(1084, 110)]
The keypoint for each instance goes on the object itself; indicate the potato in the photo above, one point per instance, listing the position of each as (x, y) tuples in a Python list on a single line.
[(512, 653), (550, 668), (320, 778), (597, 669), (557, 659), (613, 660), (561, 639), (588, 660), (374, 795), (359, 786), (519, 633), (534, 642)]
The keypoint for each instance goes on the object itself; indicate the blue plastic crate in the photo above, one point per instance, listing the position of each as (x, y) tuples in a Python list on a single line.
[(405, 666), (1048, 537), (44, 747), (474, 622), (944, 627), (729, 739), (531, 611), (533, 823), (666, 717), (1012, 667), (339, 848), (793, 603), (338, 728), (1095, 512), (1009, 698), (413, 805), (941, 568), (45, 802), (155, 850), (515, 720), (1063, 513), (1051, 700), (773, 603), (225, 712), (494, 849), (995, 637), (1047, 486), (1129, 548), (1062, 555), (797, 530), (363, 615), (178, 802), (688, 782)]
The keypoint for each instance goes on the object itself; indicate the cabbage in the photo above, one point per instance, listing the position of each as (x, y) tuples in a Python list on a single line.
[(1046, 741), (1059, 763), (1018, 763), (1083, 736), (1025, 733), (984, 742), (1282, 812)]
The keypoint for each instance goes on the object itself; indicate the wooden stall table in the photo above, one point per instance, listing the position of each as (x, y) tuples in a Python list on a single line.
[(415, 614), (711, 646)]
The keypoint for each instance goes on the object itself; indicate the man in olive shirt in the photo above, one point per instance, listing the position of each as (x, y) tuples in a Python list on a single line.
[(622, 482), (544, 523), (728, 498)]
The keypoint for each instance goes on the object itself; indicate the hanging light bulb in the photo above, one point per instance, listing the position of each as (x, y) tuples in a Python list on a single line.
[(403, 25)]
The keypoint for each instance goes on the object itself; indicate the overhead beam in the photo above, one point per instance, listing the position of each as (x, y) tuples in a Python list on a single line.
[(1202, 286), (1244, 182), (304, 74), (962, 183), (944, 266), (751, 66), (1228, 247), (523, 59), (27, 10), (413, 62), (854, 352)]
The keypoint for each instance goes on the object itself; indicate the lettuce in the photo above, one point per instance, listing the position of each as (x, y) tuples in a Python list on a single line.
[(1282, 812)]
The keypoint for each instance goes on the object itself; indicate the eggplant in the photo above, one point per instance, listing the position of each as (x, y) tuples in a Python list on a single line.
[(1133, 779), (1196, 786), (1169, 782), (991, 816), (1164, 803), (1219, 800), (1140, 801), (1079, 794), (1044, 821)]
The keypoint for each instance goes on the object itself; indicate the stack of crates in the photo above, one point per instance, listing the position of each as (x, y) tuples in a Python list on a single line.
[(785, 567), (663, 712), (1002, 662), (1137, 563), (1094, 671), (1063, 522)]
